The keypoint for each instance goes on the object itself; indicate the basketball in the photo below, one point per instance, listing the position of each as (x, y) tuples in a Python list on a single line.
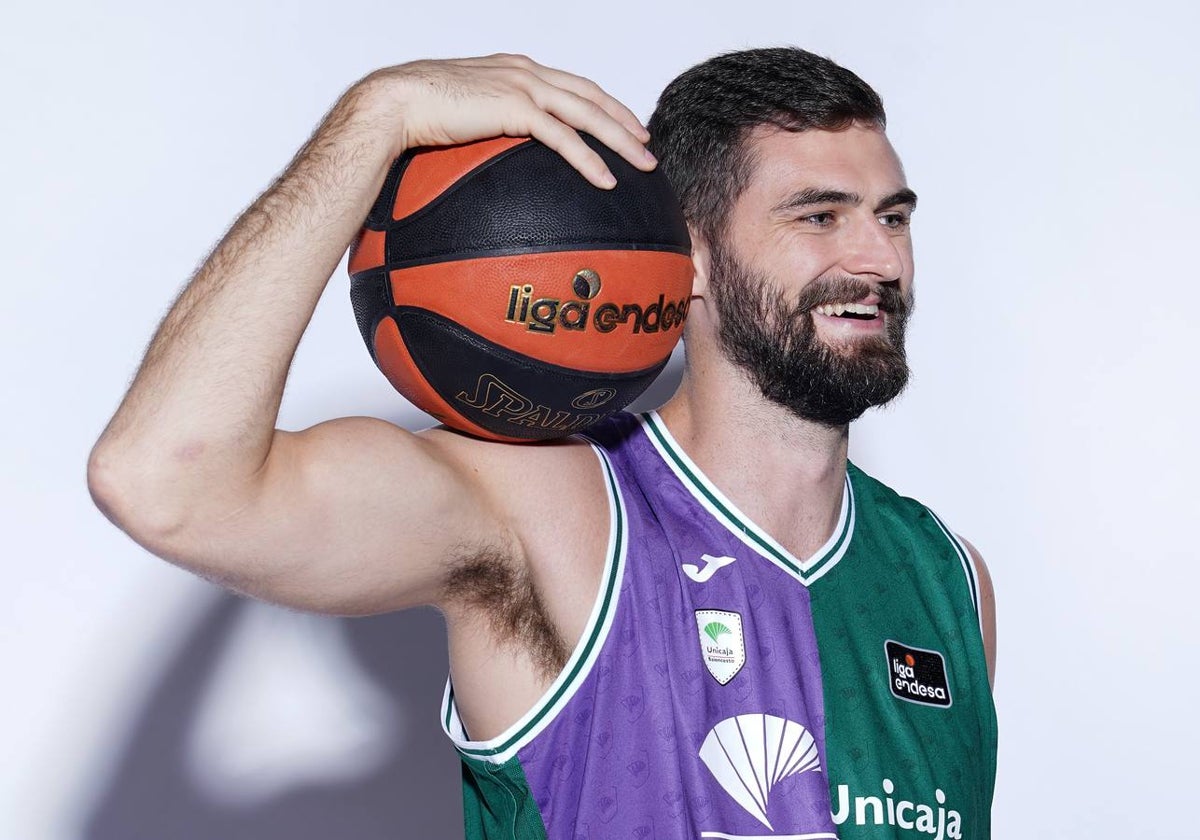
[(502, 293)]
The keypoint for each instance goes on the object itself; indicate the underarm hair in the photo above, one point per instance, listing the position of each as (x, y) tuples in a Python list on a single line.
[(492, 585)]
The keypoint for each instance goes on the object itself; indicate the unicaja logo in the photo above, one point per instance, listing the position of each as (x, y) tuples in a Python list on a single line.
[(715, 630), (548, 314), (782, 748), (722, 643), (937, 821)]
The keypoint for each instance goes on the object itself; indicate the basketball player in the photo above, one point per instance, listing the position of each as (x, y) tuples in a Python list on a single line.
[(702, 622)]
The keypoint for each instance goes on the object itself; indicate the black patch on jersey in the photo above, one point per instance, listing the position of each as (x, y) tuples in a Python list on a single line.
[(917, 675)]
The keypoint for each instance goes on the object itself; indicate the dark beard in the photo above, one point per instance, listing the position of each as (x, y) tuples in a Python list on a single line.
[(775, 341)]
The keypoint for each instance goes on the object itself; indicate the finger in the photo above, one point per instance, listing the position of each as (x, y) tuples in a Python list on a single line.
[(588, 89), (578, 85), (563, 139), (587, 115)]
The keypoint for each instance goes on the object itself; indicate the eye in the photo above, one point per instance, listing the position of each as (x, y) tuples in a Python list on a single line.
[(818, 219), (895, 221)]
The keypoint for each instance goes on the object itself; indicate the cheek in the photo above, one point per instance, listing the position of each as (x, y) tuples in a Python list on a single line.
[(800, 265)]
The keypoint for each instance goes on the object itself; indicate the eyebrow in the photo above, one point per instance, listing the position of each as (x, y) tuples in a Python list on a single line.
[(811, 195), (899, 198)]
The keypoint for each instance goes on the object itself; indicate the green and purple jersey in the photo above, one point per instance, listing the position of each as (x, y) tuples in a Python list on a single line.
[(724, 688)]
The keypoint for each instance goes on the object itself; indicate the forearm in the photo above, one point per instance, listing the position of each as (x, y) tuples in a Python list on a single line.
[(200, 414)]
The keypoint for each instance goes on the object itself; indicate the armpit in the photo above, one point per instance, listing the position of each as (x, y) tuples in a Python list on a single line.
[(491, 585)]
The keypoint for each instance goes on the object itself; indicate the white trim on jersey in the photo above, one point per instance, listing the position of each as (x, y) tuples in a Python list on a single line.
[(967, 559), (505, 745), (743, 527)]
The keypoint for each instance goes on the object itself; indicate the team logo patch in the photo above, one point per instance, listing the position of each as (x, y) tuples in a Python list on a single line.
[(917, 675), (722, 643), (750, 754)]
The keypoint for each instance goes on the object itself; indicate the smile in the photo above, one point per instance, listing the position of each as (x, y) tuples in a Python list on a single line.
[(857, 311)]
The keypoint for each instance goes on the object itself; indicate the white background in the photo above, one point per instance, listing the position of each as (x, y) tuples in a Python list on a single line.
[(1052, 418)]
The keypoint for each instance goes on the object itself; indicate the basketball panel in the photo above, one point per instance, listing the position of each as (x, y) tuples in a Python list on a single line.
[(371, 300), (431, 172), (510, 395), (532, 200), (397, 365), (614, 311)]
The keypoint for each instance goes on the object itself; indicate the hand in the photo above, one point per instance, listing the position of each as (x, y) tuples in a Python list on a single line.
[(444, 102)]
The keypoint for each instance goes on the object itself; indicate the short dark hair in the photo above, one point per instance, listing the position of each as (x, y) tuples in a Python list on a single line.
[(699, 127)]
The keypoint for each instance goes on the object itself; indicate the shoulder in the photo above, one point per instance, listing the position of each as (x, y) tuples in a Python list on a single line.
[(546, 496), (912, 513), (520, 478), (987, 592), (987, 608), (873, 492)]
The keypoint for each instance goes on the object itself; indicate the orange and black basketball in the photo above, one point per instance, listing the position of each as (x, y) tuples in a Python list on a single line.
[(502, 293)]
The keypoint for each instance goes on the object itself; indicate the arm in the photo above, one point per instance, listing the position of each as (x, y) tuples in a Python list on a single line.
[(354, 515), (987, 610)]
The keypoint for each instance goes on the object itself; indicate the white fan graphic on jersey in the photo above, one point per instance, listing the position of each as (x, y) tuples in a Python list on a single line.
[(749, 754)]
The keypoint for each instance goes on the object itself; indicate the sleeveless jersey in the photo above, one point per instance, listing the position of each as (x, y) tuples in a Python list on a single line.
[(723, 688)]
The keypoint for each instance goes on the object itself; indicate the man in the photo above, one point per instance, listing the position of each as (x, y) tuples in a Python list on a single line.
[(712, 625)]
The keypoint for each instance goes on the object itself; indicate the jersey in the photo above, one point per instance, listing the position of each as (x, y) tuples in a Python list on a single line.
[(724, 688)]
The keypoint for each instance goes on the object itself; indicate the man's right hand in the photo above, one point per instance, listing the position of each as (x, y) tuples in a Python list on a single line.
[(442, 103)]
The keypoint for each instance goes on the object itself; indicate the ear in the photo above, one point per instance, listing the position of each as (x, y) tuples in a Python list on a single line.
[(700, 262)]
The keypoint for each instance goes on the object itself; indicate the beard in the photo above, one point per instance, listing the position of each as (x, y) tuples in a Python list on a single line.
[(775, 342)]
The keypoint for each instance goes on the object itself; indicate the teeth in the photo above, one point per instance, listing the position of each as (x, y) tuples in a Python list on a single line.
[(834, 309)]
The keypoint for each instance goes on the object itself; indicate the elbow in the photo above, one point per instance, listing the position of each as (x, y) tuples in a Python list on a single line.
[(124, 488), (102, 483)]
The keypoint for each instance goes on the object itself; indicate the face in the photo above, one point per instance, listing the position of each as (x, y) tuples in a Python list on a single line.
[(812, 279)]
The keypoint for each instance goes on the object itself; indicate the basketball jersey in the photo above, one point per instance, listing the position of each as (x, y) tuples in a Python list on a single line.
[(723, 688)]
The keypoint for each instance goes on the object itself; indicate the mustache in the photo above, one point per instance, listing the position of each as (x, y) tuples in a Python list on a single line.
[(850, 289)]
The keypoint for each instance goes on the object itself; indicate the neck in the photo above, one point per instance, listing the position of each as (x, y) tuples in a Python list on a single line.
[(784, 472)]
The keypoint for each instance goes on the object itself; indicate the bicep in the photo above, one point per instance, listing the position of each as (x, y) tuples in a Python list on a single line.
[(354, 516)]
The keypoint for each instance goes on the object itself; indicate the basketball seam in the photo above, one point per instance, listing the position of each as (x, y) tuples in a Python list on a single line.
[(387, 195), (452, 188), (388, 311), (511, 356), (480, 253)]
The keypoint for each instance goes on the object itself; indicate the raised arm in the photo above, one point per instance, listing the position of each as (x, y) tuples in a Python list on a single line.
[(354, 515)]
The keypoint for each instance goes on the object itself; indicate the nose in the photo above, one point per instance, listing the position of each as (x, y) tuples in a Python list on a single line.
[(873, 251)]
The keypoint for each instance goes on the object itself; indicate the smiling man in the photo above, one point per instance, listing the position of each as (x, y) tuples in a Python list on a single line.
[(715, 626)]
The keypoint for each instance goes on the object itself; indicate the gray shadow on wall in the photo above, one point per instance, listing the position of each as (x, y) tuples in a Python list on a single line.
[(413, 793)]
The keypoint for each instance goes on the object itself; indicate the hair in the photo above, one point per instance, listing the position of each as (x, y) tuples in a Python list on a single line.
[(699, 128)]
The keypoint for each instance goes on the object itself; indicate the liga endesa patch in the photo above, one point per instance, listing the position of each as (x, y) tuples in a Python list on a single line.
[(917, 675)]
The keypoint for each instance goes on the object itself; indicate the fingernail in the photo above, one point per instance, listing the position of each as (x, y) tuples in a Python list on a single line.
[(608, 179), (650, 158)]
